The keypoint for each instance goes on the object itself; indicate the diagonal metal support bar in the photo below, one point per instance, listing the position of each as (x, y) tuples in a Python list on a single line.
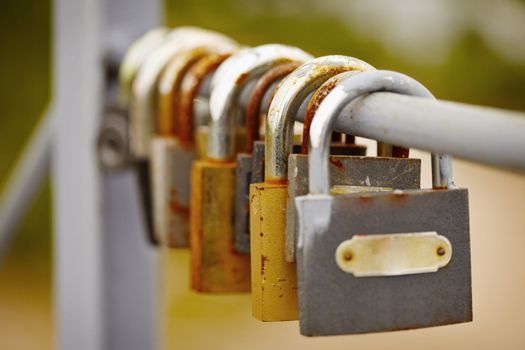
[(26, 179)]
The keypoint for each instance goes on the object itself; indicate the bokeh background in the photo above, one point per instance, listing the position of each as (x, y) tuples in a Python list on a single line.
[(467, 51)]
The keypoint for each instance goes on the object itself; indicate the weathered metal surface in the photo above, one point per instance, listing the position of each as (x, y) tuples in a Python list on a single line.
[(274, 281), (179, 173), (243, 176), (394, 254), (334, 302), (346, 170), (215, 265), (160, 184)]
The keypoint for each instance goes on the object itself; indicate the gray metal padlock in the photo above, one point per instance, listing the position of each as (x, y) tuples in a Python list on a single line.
[(345, 170), (244, 159), (380, 261)]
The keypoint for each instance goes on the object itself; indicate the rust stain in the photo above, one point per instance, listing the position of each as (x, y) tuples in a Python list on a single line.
[(170, 100), (400, 152), (264, 260), (253, 109), (336, 162), (176, 207), (365, 200), (313, 104), (275, 182), (242, 78)]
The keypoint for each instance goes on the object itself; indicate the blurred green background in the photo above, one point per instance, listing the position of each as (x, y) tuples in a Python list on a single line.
[(475, 59)]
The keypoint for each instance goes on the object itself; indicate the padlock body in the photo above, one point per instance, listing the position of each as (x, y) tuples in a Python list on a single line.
[(242, 202), (396, 173), (274, 281), (333, 302), (171, 171), (215, 265)]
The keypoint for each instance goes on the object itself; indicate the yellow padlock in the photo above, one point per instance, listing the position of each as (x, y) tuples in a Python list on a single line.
[(274, 281), (216, 266)]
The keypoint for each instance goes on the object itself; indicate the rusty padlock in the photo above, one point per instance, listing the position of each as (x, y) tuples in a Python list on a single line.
[(250, 165), (143, 101), (216, 266), (397, 172), (274, 281), (380, 261), (171, 157)]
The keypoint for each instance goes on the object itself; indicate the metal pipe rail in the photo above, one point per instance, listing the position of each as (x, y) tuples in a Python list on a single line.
[(484, 135)]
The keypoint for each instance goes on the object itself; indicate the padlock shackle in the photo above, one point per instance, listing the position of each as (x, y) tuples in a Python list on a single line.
[(189, 90), (144, 87), (169, 88), (135, 55), (318, 97), (349, 89), (253, 108), (288, 97), (228, 83)]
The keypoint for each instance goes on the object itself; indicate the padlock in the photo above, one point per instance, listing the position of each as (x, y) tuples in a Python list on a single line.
[(171, 159), (244, 159), (216, 266), (380, 261), (274, 281), (250, 164), (392, 172), (143, 102)]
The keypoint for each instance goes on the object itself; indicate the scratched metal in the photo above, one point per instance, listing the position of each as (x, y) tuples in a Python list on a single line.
[(333, 302), (250, 169), (395, 173)]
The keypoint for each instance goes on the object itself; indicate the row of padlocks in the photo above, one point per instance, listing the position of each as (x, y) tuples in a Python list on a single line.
[(300, 217)]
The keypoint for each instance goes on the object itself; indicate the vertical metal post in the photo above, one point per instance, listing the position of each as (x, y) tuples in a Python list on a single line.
[(105, 273), (77, 197)]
